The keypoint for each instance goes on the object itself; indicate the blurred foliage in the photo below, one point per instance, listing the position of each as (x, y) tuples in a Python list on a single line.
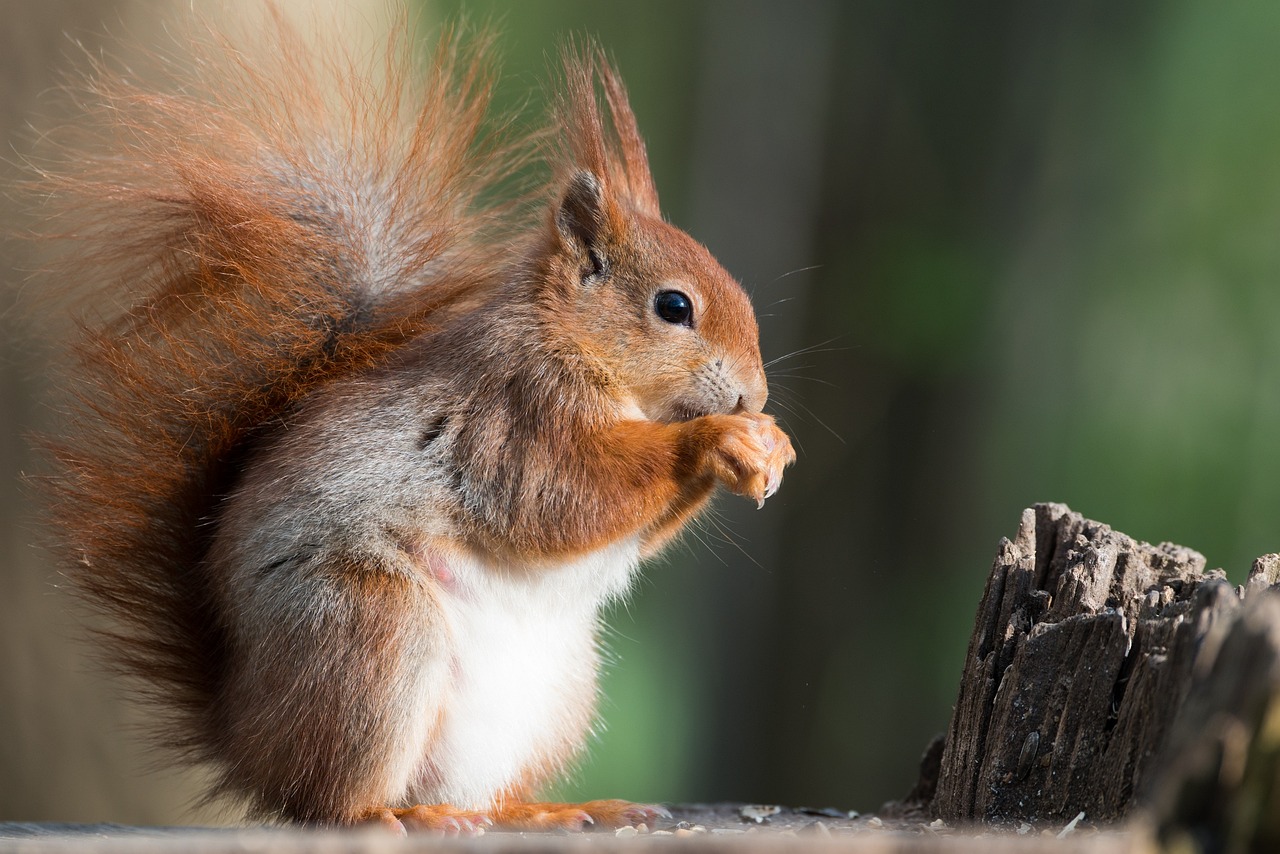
[(1023, 251)]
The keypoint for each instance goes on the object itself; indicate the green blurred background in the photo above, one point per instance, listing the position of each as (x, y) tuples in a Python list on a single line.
[(1005, 251)]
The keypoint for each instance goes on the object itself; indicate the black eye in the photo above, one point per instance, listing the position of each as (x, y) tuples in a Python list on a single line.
[(674, 307)]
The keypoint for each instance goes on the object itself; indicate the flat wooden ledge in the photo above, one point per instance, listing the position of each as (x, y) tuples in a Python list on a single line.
[(710, 827)]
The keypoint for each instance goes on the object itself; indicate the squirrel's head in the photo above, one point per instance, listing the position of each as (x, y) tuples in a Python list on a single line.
[(644, 301), (652, 307)]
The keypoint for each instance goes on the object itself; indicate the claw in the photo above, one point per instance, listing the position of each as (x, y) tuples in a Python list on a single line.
[(476, 826), (646, 812), (775, 480), (754, 452), (430, 818), (576, 817)]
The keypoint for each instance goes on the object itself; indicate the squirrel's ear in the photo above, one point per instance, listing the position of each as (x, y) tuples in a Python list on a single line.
[(581, 216)]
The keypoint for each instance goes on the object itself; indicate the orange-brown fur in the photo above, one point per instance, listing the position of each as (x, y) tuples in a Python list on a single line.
[(306, 282)]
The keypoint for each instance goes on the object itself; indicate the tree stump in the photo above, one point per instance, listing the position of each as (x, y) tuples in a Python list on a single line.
[(1082, 653), (1218, 786)]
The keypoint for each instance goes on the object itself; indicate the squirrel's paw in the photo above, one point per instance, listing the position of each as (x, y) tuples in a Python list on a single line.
[(615, 813), (556, 816), (439, 818), (752, 453)]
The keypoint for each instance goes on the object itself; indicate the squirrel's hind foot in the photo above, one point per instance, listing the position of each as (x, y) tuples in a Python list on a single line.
[(606, 814), (438, 818), (514, 815)]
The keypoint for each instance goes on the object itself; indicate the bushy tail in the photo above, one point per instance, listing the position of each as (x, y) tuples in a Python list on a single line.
[(260, 227)]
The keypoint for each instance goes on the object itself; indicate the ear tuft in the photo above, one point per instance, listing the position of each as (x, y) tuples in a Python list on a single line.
[(581, 215)]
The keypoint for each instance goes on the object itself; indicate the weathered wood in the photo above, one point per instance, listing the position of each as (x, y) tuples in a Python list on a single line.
[(1081, 655), (1218, 785)]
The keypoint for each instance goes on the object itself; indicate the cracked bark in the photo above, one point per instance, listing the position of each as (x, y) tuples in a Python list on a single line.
[(1081, 656)]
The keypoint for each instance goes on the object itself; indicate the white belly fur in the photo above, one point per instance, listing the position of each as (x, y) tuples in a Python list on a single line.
[(523, 658)]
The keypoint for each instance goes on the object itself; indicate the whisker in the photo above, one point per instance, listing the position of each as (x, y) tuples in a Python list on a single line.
[(777, 279), (818, 380), (797, 270), (725, 537), (807, 412), (820, 347), (697, 532)]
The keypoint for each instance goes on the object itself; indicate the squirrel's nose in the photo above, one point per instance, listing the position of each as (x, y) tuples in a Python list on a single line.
[(754, 393)]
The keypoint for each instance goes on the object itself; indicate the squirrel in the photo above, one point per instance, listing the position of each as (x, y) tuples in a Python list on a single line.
[(359, 441)]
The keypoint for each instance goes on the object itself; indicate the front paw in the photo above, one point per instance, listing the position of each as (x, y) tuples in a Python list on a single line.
[(751, 454)]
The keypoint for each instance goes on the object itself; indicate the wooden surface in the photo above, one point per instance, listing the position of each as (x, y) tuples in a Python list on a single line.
[(1219, 782), (1080, 656), (1115, 679), (721, 827)]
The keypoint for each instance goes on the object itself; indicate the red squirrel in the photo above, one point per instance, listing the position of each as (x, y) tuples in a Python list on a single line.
[(357, 448)]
